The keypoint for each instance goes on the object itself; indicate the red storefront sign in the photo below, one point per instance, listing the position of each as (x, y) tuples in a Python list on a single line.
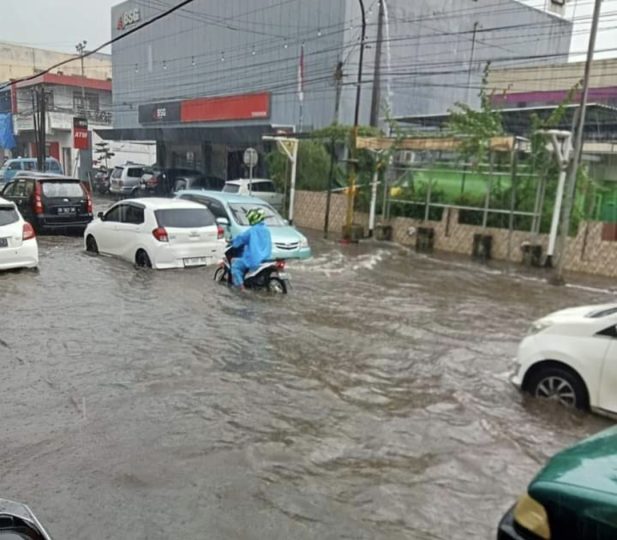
[(220, 109), (80, 134)]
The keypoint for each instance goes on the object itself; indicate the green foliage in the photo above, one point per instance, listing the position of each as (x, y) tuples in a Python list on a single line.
[(313, 166), (476, 127)]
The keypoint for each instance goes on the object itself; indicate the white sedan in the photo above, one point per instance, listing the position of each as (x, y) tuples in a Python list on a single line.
[(157, 233), (570, 356), (18, 245)]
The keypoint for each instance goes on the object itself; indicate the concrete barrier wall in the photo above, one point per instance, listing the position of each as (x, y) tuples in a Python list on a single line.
[(586, 252)]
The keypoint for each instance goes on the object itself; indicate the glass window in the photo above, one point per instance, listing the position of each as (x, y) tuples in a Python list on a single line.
[(135, 172), (15, 166), (116, 213), (117, 173), (215, 207), (264, 187), (29, 165), (184, 218), (8, 215), (240, 210), (134, 215), (62, 189), (53, 166), (231, 188), (9, 190)]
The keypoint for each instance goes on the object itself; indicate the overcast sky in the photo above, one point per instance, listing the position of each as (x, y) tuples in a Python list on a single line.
[(60, 24)]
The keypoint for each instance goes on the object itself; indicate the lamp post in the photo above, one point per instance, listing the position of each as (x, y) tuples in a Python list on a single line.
[(354, 158)]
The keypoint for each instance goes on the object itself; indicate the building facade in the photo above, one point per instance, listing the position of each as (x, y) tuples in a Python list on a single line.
[(212, 78)]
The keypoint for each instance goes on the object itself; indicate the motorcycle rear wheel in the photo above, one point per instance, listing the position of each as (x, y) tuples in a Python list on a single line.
[(277, 286), (221, 275)]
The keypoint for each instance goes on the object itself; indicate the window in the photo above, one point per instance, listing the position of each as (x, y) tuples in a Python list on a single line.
[(8, 215), (115, 214), (62, 189), (91, 103), (184, 218), (231, 188), (9, 190), (117, 173), (264, 187), (603, 313), (215, 207), (52, 166), (240, 210), (30, 165), (15, 166), (134, 215), (135, 172)]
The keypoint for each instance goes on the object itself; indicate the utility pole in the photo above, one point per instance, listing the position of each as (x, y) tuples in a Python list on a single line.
[(354, 153), (578, 147), (338, 81), (376, 100), (81, 47), (471, 59)]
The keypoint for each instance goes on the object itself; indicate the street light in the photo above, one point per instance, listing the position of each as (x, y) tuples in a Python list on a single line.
[(354, 157), (80, 48)]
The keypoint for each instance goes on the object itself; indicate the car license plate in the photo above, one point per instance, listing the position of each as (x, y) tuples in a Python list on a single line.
[(195, 261), (4, 242), (65, 211)]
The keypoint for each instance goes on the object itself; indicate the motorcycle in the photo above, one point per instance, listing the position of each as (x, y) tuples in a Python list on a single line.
[(270, 276), (18, 521)]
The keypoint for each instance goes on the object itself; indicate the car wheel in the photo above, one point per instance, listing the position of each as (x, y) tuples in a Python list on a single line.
[(142, 260), (559, 384), (277, 286), (91, 245)]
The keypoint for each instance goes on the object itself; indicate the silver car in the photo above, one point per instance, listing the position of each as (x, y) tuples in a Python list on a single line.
[(125, 178)]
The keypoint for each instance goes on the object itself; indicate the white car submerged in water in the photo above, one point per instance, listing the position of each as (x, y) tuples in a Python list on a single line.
[(570, 356)]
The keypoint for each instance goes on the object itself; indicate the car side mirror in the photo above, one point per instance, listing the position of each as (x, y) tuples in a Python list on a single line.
[(286, 221), (223, 222), (101, 216)]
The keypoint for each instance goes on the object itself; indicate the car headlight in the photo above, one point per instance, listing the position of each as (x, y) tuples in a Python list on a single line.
[(538, 326), (531, 515), (303, 244)]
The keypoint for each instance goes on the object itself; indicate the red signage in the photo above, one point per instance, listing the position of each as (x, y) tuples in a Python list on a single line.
[(80, 134), (221, 109)]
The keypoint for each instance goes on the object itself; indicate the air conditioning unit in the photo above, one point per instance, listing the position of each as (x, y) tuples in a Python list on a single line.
[(404, 157), (558, 7)]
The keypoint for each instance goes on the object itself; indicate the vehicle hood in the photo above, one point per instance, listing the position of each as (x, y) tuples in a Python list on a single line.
[(576, 313), (590, 465)]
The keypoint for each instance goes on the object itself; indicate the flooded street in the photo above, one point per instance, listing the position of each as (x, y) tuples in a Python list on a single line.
[(372, 402)]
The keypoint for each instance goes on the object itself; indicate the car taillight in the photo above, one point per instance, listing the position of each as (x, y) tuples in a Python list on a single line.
[(89, 204), (280, 265), (220, 231), (160, 234), (28, 232), (36, 197)]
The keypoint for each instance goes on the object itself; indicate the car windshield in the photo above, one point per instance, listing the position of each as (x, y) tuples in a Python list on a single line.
[(8, 215), (184, 218), (62, 189), (239, 211), (231, 188)]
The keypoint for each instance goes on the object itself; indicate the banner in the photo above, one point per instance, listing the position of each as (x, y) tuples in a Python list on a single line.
[(80, 133)]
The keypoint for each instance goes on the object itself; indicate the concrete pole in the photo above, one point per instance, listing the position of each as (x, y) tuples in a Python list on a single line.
[(578, 146), (294, 172), (373, 210)]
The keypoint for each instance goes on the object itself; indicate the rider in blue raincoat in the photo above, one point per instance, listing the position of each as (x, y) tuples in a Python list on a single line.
[(256, 245)]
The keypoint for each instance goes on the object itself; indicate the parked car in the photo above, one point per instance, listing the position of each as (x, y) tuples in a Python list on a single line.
[(51, 203), (258, 187), (573, 497), (18, 245), (157, 233), (125, 178), (13, 166), (571, 356), (287, 241), (163, 182)]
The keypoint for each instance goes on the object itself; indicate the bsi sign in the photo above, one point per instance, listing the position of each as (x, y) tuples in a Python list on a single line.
[(128, 18)]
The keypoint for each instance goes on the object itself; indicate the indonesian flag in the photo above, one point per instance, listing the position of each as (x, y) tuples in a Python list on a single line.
[(301, 75)]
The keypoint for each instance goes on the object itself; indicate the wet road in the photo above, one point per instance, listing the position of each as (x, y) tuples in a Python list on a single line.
[(370, 403)]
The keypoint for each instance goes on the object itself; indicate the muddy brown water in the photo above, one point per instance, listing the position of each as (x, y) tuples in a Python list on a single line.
[(371, 402)]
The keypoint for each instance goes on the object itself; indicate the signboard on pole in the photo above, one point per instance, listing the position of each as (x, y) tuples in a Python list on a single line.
[(80, 134), (251, 157)]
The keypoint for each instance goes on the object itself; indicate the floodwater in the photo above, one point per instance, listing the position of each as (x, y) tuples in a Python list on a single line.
[(371, 402)]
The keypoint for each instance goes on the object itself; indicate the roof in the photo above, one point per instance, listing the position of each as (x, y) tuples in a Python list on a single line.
[(229, 198), (161, 203), (246, 181), (601, 122), (67, 80)]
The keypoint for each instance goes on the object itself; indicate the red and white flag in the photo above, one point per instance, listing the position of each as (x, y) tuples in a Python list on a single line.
[(301, 75)]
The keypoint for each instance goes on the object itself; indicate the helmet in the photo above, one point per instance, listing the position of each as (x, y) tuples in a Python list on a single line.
[(255, 216)]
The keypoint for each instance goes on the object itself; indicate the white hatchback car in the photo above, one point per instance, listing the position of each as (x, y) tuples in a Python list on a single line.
[(18, 245), (157, 233), (570, 356)]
